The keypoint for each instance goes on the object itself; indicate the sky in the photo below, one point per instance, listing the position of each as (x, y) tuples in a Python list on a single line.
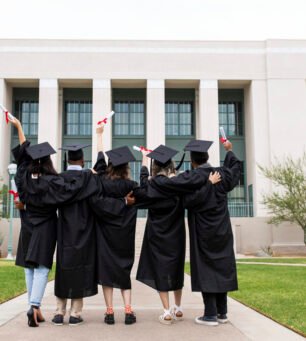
[(153, 19)]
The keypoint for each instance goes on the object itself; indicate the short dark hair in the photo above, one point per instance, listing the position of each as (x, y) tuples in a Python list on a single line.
[(75, 155), (199, 157)]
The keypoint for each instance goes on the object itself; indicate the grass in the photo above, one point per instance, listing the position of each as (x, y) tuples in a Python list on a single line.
[(12, 282), (274, 260), (277, 292)]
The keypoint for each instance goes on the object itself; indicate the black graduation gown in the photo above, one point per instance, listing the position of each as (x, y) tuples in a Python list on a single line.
[(161, 263), (76, 197), (115, 231), (212, 259), (76, 253), (37, 236)]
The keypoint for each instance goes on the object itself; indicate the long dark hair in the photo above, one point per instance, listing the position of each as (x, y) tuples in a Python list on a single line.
[(118, 172), (42, 166)]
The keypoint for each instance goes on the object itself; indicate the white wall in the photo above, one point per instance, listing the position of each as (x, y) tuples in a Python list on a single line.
[(275, 71)]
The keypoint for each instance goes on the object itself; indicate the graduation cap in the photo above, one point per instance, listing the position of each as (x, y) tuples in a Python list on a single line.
[(199, 146), (75, 152), (40, 151), (120, 156), (162, 154)]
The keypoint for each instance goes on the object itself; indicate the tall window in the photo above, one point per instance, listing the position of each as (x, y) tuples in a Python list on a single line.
[(25, 108), (77, 120), (230, 118), (78, 116), (129, 118), (179, 118), (27, 113)]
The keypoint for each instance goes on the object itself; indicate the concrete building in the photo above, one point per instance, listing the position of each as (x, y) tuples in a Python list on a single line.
[(165, 92)]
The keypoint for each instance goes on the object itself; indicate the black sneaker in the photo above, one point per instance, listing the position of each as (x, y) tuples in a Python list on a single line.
[(222, 318), (207, 320), (58, 320), (109, 319), (75, 321), (130, 318)]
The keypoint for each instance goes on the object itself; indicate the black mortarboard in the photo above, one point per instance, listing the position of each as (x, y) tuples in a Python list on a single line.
[(199, 146), (120, 156), (40, 151), (162, 154), (75, 152)]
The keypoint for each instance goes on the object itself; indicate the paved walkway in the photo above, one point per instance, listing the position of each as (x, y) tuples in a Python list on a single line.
[(263, 263), (245, 324)]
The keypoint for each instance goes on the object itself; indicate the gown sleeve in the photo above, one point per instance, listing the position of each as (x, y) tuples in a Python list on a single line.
[(57, 190), (184, 183), (143, 201), (230, 173), (201, 200), (100, 166), (23, 160), (107, 206)]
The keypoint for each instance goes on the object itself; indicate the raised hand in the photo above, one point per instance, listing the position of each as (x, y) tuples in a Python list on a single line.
[(15, 122), (227, 145), (100, 128)]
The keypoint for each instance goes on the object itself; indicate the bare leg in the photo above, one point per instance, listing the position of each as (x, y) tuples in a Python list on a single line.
[(126, 295), (164, 296), (108, 296), (177, 310), (166, 317), (178, 297)]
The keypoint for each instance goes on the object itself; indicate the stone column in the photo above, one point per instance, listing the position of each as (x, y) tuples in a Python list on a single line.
[(5, 130), (155, 113), (257, 141), (48, 116), (208, 118), (102, 105)]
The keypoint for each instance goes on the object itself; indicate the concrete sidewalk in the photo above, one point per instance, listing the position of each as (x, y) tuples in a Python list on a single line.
[(245, 323)]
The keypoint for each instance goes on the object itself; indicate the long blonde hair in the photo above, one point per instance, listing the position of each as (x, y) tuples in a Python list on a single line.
[(164, 170)]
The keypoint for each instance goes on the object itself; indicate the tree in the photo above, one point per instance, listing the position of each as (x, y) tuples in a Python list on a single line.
[(287, 202)]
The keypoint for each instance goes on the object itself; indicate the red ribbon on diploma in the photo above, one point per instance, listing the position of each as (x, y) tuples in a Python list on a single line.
[(15, 194), (106, 118), (142, 148), (145, 149), (103, 121), (223, 138), (6, 116)]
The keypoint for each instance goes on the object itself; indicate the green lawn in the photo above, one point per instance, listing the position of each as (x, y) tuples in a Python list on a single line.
[(12, 281), (274, 260), (277, 291)]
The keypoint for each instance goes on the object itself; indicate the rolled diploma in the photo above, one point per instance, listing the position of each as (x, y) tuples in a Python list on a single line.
[(110, 114), (222, 132), (10, 116), (137, 148)]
